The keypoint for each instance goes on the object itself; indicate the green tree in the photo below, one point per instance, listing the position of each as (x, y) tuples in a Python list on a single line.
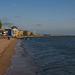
[(25, 33), (31, 33), (0, 25)]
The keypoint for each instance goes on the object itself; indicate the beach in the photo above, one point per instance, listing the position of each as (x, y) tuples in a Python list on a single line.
[(22, 61), (6, 52)]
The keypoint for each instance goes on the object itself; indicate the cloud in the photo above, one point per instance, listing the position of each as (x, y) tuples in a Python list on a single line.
[(17, 16), (38, 25), (73, 18), (18, 11)]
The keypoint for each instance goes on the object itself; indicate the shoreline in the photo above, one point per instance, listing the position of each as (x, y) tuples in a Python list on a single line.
[(6, 52), (22, 62)]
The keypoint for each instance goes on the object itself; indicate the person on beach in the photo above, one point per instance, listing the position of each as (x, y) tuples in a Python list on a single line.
[(8, 38)]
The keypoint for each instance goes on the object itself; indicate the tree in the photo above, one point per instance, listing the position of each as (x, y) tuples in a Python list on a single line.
[(25, 33), (31, 33), (0, 25)]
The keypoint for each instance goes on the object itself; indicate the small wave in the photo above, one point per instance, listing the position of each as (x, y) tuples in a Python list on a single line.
[(22, 62)]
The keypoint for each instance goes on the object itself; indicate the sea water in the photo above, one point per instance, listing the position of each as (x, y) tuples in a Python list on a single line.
[(54, 55)]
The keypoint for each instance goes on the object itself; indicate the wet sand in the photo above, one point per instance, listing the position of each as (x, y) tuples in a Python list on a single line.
[(22, 62), (6, 52)]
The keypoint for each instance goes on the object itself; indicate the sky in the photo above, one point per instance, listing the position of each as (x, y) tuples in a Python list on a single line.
[(44, 16)]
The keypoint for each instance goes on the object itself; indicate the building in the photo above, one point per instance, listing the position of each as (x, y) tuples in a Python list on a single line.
[(28, 33), (11, 30), (15, 31), (3, 32), (20, 32)]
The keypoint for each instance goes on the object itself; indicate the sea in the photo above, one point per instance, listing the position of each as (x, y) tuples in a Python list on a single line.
[(52, 55)]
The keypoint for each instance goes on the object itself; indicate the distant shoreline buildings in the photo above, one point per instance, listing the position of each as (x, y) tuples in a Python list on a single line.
[(13, 31)]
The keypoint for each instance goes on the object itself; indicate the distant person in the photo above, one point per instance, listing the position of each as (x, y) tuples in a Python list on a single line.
[(8, 38)]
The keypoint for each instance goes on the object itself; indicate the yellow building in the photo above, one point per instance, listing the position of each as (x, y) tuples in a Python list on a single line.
[(16, 31)]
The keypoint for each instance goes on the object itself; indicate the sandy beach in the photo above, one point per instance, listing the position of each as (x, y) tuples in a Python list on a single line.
[(6, 52)]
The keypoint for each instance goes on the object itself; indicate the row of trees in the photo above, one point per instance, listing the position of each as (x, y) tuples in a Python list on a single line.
[(25, 33)]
